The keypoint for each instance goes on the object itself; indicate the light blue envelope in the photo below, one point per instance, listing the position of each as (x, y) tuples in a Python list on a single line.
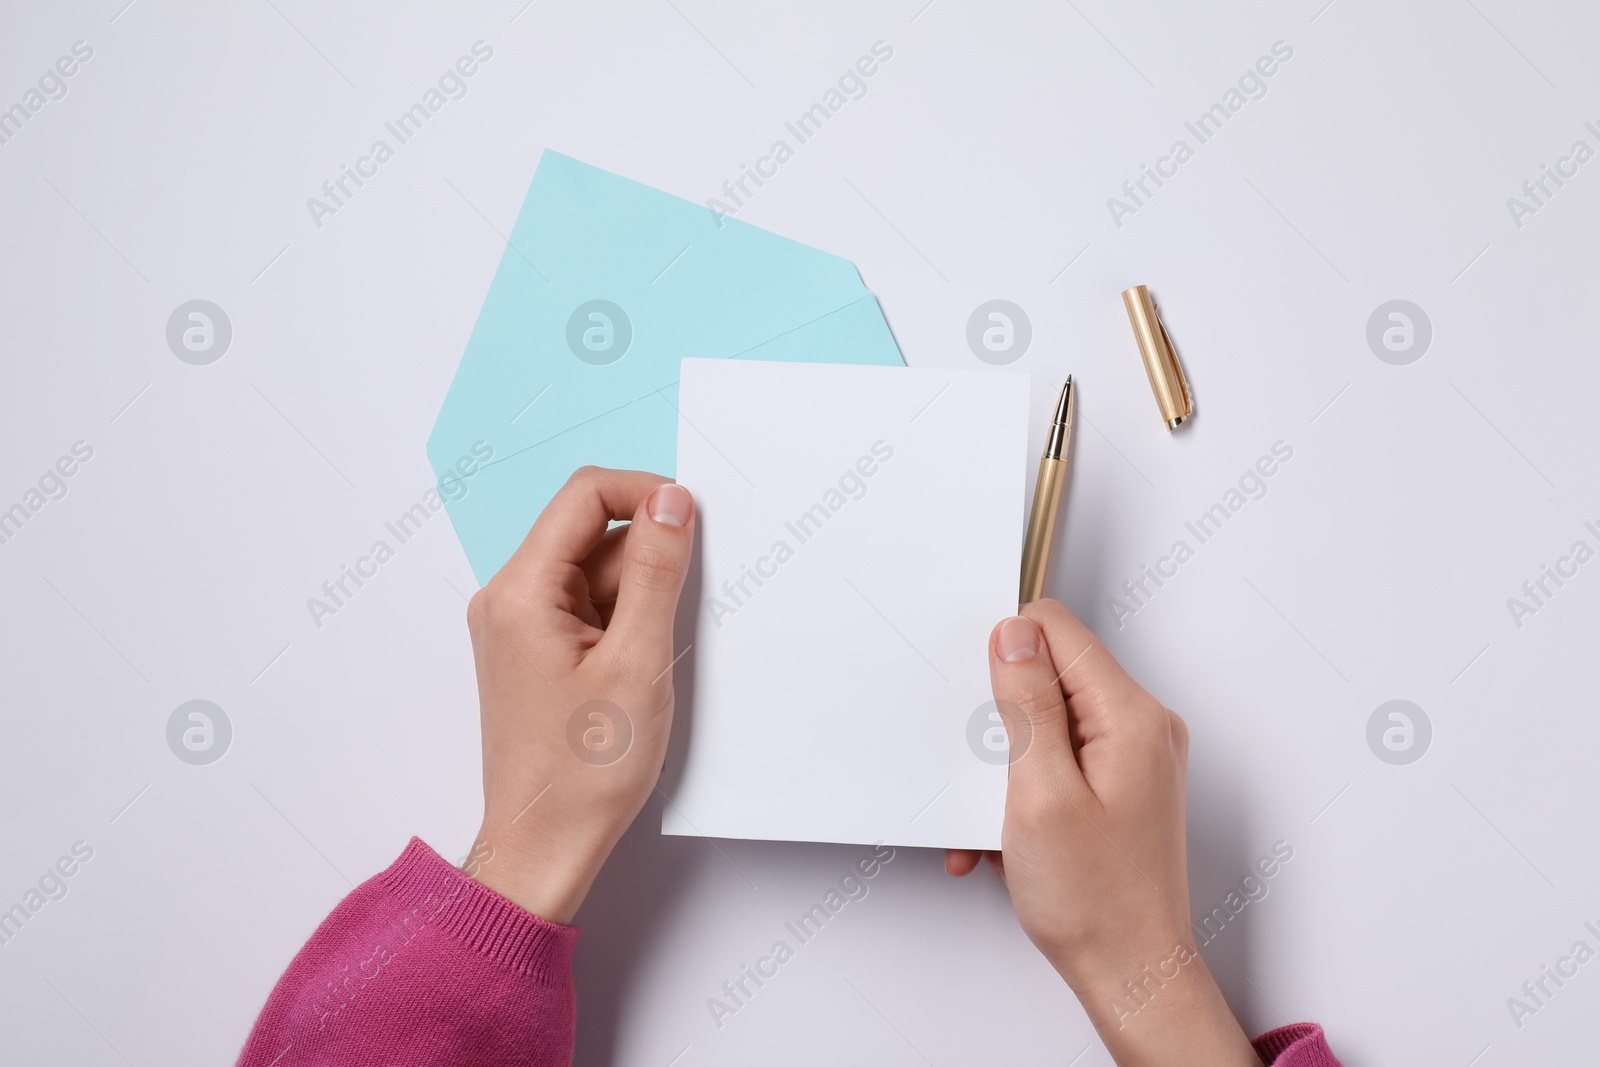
[(605, 286)]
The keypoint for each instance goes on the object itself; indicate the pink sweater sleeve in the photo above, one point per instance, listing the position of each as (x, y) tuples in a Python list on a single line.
[(423, 965), (1298, 1045)]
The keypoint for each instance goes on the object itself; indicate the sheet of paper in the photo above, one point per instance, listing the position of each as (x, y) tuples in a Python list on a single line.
[(860, 534), (604, 286)]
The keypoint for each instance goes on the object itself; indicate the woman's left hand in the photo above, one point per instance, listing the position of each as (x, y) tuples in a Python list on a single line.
[(573, 644)]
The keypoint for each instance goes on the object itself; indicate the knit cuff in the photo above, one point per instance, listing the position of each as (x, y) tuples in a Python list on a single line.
[(483, 920), (1297, 1045)]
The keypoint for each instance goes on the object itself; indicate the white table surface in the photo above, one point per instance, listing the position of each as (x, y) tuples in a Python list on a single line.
[(977, 166)]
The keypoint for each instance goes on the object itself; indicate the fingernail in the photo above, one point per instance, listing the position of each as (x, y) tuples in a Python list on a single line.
[(670, 504), (1018, 640)]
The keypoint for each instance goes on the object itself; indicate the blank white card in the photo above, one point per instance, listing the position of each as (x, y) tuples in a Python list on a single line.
[(860, 534)]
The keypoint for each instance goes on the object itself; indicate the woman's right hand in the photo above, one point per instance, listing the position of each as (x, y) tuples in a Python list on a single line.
[(1093, 849)]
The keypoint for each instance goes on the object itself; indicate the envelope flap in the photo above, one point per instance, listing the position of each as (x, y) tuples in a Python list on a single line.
[(605, 285)]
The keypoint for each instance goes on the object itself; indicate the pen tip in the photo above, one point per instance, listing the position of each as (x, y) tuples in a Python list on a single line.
[(1066, 402)]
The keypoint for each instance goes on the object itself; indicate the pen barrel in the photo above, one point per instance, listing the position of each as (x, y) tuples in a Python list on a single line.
[(1041, 528)]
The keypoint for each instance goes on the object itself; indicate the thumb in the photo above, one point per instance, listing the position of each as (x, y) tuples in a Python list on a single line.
[(655, 558), (1028, 693)]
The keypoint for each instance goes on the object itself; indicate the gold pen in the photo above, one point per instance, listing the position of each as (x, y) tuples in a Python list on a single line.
[(1047, 497)]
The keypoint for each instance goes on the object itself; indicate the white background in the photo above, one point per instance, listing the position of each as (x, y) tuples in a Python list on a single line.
[(978, 165)]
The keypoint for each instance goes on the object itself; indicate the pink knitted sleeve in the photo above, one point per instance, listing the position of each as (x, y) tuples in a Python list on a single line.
[(1298, 1045), (423, 965)]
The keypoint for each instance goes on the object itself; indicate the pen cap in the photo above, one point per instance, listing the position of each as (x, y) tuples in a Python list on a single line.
[(1160, 359)]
